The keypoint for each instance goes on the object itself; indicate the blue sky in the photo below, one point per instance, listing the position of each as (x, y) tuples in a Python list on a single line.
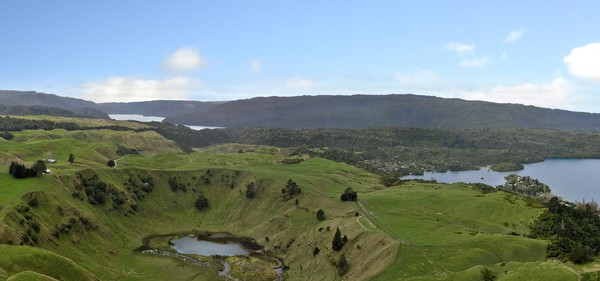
[(544, 53)]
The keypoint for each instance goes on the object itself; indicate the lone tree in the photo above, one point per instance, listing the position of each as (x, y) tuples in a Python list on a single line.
[(349, 195), (111, 163), (201, 202), (320, 214), (71, 158), (338, 242), (250, 190)]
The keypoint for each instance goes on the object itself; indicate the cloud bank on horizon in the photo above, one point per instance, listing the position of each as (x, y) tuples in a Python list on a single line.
[(499, 51)]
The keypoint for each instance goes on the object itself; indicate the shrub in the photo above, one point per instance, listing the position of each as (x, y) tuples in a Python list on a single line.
[(488, 275), (320, 214), (250, 190), (342, 265), (201, 202)]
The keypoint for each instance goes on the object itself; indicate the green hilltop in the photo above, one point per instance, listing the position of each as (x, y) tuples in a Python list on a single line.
[(51, 230)]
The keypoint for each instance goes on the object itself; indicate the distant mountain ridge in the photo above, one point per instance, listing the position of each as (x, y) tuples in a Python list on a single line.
[(163, 108), (362, 111), (49, 103), (357, 111), (43, 110)]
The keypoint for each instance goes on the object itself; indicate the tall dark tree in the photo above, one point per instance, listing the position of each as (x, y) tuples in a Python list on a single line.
[(251, 190), (71, 158), (338, 241)]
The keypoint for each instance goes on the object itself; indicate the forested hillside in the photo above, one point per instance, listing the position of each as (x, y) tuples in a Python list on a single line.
[(362, 111), (163, 108)]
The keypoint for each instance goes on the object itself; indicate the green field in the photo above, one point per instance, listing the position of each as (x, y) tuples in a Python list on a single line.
[(412, 232)]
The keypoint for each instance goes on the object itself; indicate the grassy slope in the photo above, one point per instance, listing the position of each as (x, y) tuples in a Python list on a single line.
[(108, 250), (433, 221), (451, 232), (36, 262)]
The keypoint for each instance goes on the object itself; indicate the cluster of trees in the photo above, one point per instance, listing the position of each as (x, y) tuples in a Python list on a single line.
[(20, 171), (349, 195), (175, 185), (525, 185), (573, 231), (139, 185), (8, 124), (95, 189), (291, 189), (122, 150)]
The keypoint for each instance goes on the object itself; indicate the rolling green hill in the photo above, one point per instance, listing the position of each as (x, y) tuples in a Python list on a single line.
[(361, 111), (411, 232)]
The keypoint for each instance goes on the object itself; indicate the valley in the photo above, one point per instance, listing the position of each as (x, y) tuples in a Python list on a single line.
[(415, 231)]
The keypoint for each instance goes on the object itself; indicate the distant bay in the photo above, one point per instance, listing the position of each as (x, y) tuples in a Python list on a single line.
[(572, 179), (142, 118), (136, 117)]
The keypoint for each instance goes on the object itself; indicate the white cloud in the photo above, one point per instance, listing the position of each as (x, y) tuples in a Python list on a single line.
[(128, 89), (298, 83), (584, 62), (255, 66), (459, 48), (514, 35), (418, 79), (555, 94), (474, 63), (184, 59)]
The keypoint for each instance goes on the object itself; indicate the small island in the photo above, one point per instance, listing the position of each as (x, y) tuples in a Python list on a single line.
[(507, 167)]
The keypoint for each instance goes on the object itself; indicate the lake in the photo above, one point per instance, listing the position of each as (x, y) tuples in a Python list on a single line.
[(143, 118), (136, 117), (572, 179), (194, 245)]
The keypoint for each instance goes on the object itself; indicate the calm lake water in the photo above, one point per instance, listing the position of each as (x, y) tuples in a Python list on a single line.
[(192, 245), (142, 118), (572, 179), (136, 117)]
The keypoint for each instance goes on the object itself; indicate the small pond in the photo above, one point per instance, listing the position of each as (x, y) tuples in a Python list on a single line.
[(194, 245), (233, 253)]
